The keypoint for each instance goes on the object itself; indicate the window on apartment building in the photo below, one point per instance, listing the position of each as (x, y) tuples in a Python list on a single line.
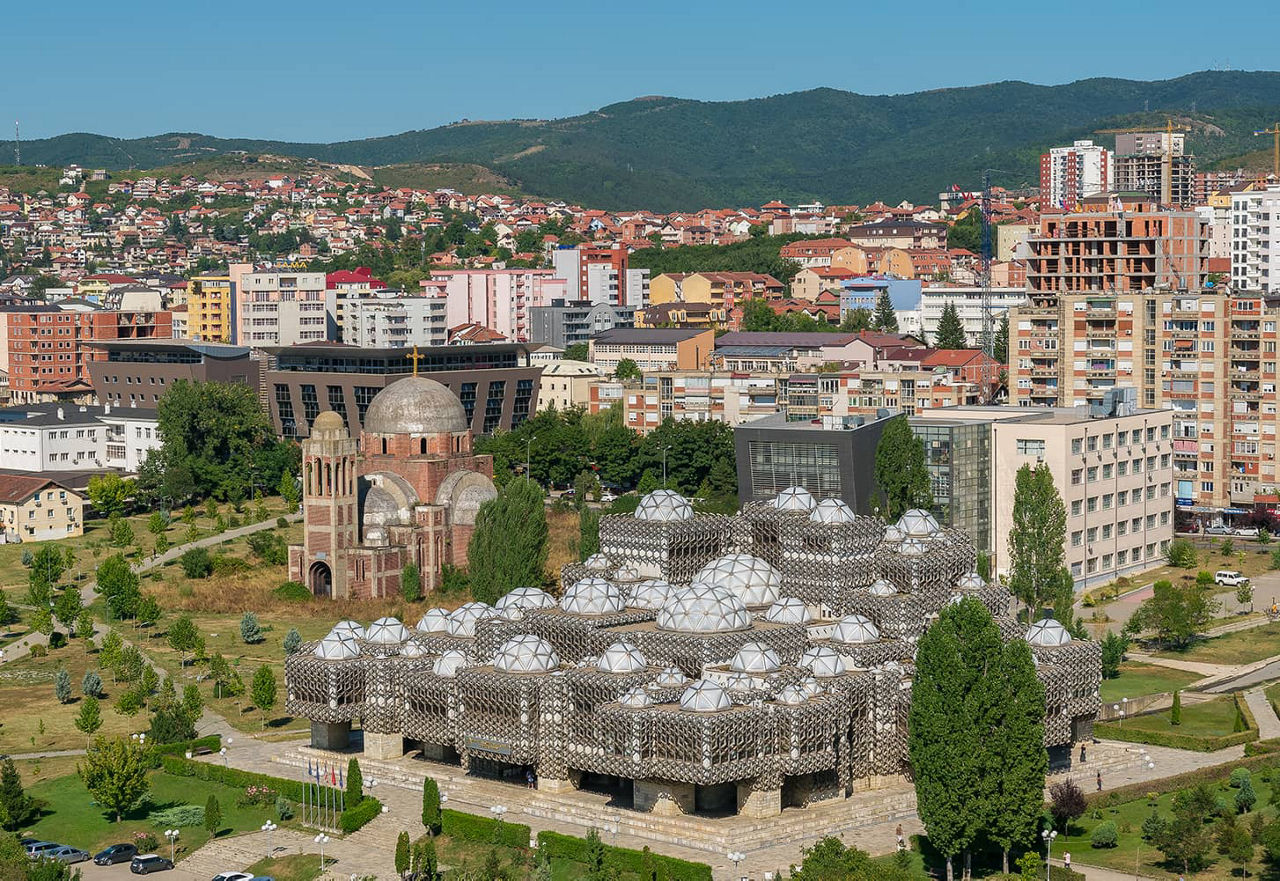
[(1122, 468), (1137, 553), (1075, 570), (1106, 530), (1108, 499), (1122, 557), (1077, 476), (1076, 445), (1076, 538), (1151, 463), (1135, 525), (1165, 460), (1092, 504), (1092, 565), (1106, 561), (1137, 466), (1106, 441), (1151, 493), (1076, 508), (1093, 473), (1122, 498), (1092, 443), (1107, 470), (1122, 528), (1092, 534), (1030, 447), (1164, 432)]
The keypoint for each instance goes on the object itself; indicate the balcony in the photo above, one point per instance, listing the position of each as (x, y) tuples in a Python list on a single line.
[(1095, 332)]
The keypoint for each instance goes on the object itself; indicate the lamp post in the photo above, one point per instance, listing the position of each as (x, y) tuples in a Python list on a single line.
[(172, 835), (369, 786), (322, 840), (223, 752), (1137, 857), (269, 827), (140, 738), (1048, 836), (498, 811), (735, 857), (528, 456)]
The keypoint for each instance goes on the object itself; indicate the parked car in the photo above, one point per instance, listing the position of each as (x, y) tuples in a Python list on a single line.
[(606, 497), (148, 863), (234, 876), (38, 849), (68, 854), (1218, 530), (116, 853), (1247, 531), (1229, 577), (569, 493)]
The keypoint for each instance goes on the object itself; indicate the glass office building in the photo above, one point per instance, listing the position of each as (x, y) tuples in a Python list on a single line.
[(958, 455)]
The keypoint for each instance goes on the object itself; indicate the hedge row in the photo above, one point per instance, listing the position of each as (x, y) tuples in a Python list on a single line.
[(354, 818), (1249, 719), (470, 827), (211, 742), (180, 766), (1262, 747), (1186, 780), (1204, 744), (626, 861), (1056, 873)]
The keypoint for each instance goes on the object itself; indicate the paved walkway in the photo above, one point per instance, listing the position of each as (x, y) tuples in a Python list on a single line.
[(1268, 723), (1200, 668)]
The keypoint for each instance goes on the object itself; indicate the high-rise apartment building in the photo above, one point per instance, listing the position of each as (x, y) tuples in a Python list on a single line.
[(601, 275), (1141, 162), (1255, 240), (283, 309), (499, 299), (1069, 174), (209, 299), (393, 321)]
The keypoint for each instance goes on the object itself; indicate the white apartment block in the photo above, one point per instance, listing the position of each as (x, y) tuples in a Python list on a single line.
[(394, 321), (283, 309), (66, 437), (498, 299), (600, 281), (1069, 174), (1255, 241), (968, 303)]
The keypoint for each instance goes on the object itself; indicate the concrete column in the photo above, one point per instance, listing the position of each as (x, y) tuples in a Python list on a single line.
[(331, 735), (758, 803), (663, 797), (383, 746)]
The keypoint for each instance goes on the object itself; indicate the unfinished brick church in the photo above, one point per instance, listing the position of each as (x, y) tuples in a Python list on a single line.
[(407, 492)]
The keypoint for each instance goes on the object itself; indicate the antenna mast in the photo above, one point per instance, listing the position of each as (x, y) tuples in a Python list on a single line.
[(988, 329)]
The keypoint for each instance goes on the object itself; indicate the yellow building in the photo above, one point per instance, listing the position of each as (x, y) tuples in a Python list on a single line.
[(716, 288), (38, 509), (209, 308)]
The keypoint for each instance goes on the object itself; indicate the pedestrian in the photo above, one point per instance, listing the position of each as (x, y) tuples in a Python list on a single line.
[(902, 843), (1066, 860), (1099, 781), (1082, 754), (528, 777)]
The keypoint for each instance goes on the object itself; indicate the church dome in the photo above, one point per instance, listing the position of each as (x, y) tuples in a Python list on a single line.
[(328, 425), (415, 405)]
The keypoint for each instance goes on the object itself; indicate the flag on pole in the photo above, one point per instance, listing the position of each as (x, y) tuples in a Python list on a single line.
[(340, 779), (333, 777)]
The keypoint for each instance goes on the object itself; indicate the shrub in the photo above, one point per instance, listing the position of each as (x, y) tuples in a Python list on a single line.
[(269, 547), (1066, 803), (91, 684), (456, 824), (145, 842), (354, 818), (225, 564), (1175, 712), (250, 631), (183, 767), (281, 523), (1246, 798), (196, 563), (431, 805), (294, 591), (57, 639), (284, 810), (1238, 776), (181, 816), (1104, 835), (129, 702), (292, 641), (39, 651), (1181, 553), (62, 687), (641, 863)]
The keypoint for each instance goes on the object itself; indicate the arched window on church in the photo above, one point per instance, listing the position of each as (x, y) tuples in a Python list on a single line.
[(422, 446), (328, 478), (340, 485), (307, 482), (384, 446)]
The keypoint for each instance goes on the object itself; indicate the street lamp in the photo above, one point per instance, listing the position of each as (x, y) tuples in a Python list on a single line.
[(223, 752), (140, 738), (528, 455), (269, 827), (1048, 836), (172, 835), (735, 857), (322, 840)]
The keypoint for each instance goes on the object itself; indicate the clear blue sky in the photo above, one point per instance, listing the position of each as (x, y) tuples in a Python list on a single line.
[(328, 70)]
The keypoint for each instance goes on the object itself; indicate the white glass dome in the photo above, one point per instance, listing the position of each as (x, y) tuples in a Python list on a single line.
[(463, 620), (650, 594), (413, 649), (671, 677), (664, 506), (527, 598), (792, 695), (755, 657), (893, 534), (596, 563), (794, 498), (348, 628), (337, 647), (970, 581), (434, 621), (1048, 633), (913, 547), (526, 653), (386, 631), (449, 663), (854, 630), (705, 696), (918, 523), (626, 573), (788, 610), (810, 686), (636, 698), (621, 657), (592, 596), (882, 588), (738, 682), (749, 578), (703, 610), (831, 511), (823, 661)]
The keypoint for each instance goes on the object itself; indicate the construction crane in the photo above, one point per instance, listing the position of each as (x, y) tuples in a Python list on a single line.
[(988, 325), (1166, 184), (1274, 131)]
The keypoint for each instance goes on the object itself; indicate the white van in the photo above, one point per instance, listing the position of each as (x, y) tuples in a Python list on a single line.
[(1229, 577)]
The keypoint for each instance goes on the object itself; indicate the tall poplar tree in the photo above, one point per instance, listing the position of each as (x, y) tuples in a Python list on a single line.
[(950, 333), (509, 546), (900, 470), (1037, 539)]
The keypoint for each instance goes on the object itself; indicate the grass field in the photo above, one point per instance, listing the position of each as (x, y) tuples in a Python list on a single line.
[(1209, 719), (71, 817), (293, 867), (1241, 647), (1138, 679)]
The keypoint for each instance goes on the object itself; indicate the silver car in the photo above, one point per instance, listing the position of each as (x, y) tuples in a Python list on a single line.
[(40, 849), (68, 854)]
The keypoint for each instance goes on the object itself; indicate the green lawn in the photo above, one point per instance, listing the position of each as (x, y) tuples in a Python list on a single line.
[(293, 867), (1210, 719), (71, 817), (1241, 647), (1137, 679)]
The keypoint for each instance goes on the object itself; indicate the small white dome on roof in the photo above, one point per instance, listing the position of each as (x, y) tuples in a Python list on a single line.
[(882, 588), (788, 610), (449, 663), (703, 609), (621, 657), (626, 573), (971, 581), (526, 653), (737, 681), (832, 511), (705, 696), (823, 661), (463, 620), (412, 649), (636, 698), (527, 598), (386, 631), (592, 596), (664, 506), (337, 647), (434, 621), (755, 657), (794, 498), (597, 563), (792, 695), (854, 630), (650, 594), (893, 534), (1048, 633), (671, 677), (348, 628), (810, 686), (749, 578), (918, 523), (913, 547)]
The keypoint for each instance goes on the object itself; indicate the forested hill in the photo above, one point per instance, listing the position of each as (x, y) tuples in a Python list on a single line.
[(668, 154)]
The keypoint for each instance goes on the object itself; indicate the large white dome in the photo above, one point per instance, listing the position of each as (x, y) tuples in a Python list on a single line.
[(831, 511), (703, 609), (434, 621), (386, 631), (592, 596), (854, 630), (705, 696), (526, 598), (664, 506), (918, 523), (822, 661), (749, 578), (621, 657), (788, 610), (337, 647), (1048, 633), (526, 653), (348, 628), (449, 663), (755, 657), (463, 620), (794, 498)]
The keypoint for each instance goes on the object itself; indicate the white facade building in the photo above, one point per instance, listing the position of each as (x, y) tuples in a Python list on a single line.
[(1069, 174), (65, 437), (284, 309), (394, 321), (968, 303), (1255, 240)]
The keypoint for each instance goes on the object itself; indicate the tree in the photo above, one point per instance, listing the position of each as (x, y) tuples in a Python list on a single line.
[(884, 319), (109, 493), (16, 807), (62, 686), (115, 773), (1037, 537), (596, 855), (402, 854), (288, 490), (89, 718), (109, 656), (84, 623), (1244, 594), (68, 607), (588, 532), (1000, 346), (192, 702), (1174, 613), (950, 333), (1175, 712), (1234, 842), (1113, 647), (196, 563), (212, 815), (264, 691), (508, 548), (1016, 759), (1246, 797), (47, 566), (1066, 803), (183, 637), (91, 684), (628, 369), (8, 613), (900, 470), (1186, 840), (250, 630), (119, 532), (411, 583), (170, 724), (1181, 553), (425, 863), (431, 817), (355, 783), (577, 352), (157, 523), (292, 641), (118, 583), (148, 612)]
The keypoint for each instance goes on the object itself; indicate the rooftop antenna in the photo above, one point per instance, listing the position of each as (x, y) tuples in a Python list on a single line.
[(17, 144)]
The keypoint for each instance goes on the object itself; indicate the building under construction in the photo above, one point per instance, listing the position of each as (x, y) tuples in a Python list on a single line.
[(1142, 159)]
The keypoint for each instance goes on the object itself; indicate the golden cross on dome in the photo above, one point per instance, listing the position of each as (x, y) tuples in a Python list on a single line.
[(415, 358)]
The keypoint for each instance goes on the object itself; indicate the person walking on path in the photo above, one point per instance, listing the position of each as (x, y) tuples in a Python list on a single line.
[(1099, 781), (902, 843), (1082, 754)]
